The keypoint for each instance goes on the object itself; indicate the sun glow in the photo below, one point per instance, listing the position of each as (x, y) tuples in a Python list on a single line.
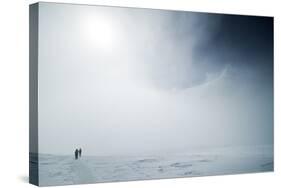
[(101, 33)]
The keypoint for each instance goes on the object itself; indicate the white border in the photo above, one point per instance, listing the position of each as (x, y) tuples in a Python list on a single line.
[(14, 90)]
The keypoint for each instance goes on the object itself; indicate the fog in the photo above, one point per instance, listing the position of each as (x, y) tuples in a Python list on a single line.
[(119, 81)]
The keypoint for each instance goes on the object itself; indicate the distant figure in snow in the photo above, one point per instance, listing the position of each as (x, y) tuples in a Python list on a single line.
[(76, 154), (80, 152)]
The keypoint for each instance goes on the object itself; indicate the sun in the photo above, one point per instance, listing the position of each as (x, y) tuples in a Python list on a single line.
[(100, 33)]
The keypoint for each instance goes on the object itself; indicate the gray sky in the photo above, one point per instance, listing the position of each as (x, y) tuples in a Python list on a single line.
[(118, 81)]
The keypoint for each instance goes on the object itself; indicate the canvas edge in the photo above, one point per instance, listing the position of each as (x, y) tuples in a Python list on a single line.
[(33, 94)]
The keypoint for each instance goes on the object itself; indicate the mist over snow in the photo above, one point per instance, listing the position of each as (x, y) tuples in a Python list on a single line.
[(118, 81)]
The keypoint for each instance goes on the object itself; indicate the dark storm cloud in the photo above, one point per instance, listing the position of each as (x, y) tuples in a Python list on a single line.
[(246, 38), (240, 41)]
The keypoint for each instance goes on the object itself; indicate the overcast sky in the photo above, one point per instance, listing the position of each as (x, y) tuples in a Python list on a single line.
[(119, 81)]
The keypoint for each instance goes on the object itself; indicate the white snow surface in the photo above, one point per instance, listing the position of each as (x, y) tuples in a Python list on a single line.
[(64, 170)]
